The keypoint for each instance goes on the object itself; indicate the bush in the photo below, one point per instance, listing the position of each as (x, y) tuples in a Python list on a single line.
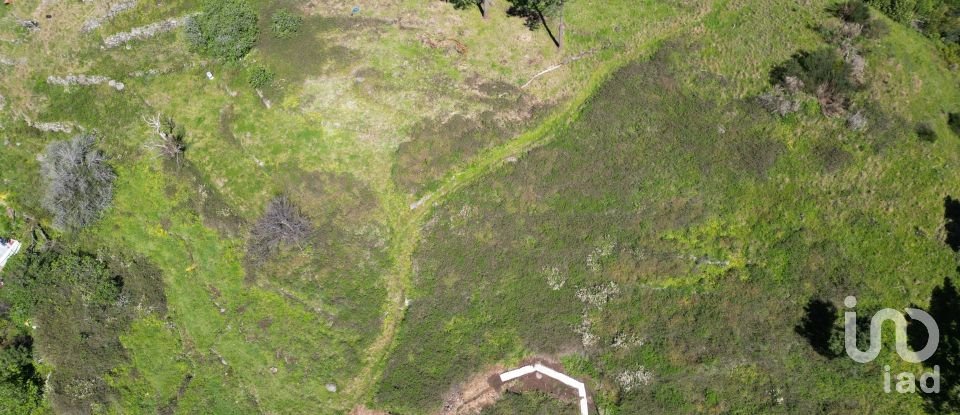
[(823, 73), (854, 11), (926, 132), (284, 24), (79, 182), (260, 77), (953, 120), (824, 67), (21, 387), (282, 224), (225, 29), (875, 29)]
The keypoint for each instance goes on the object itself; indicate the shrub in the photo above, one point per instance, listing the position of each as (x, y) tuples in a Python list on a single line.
[(953, 120), (79, 304), (225, 29), (260, 77), (823, 73), (282, 224), (284, 24), (854, 11), (926, 132), (779, 102), (899, 10), (21, 387), (824, 67), (79, 182), (875, 29)]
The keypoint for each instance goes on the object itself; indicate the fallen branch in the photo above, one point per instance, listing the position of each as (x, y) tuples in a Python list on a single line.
[(560, 65)]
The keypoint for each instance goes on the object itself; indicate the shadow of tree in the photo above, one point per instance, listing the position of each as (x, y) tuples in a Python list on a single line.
[(819, 327), (951, 215), (533, 17), (945, 310)]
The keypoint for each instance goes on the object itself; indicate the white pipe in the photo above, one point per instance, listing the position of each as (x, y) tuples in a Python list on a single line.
[(562, 378), (8, 250)]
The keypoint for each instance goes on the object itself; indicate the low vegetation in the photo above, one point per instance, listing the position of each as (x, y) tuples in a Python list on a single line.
[(651, 249), (532, 403), (21, 386), (260, 77), (284, 24), (76, 306)]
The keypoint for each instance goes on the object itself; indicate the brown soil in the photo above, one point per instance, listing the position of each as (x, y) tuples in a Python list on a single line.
[(485, 388), (476, 393)]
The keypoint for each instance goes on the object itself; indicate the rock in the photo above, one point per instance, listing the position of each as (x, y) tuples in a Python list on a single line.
[(274, 370), (85, 80), (116, 9), (58, 127), (143, 32), (30, 24), (331, 387)]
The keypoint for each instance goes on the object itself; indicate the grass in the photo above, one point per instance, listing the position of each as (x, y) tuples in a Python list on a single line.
[(314, 316), (529, 403), (724, 221), (716, 222)]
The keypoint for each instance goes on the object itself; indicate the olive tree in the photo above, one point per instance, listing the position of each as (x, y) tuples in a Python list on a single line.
[(79, 182)]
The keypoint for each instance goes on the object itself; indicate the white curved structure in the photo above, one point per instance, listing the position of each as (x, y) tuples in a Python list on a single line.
[(562, 378), (7, 250)]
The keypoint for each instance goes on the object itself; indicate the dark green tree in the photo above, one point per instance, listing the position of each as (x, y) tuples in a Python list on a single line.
[(945, 310)]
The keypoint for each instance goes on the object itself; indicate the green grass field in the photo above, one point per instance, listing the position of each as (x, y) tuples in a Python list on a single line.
[(634, 214)]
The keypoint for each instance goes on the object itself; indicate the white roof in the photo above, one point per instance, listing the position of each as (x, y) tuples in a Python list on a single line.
[(7, 250)]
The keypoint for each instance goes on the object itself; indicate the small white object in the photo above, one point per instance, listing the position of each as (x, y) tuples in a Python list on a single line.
[(209, 75)]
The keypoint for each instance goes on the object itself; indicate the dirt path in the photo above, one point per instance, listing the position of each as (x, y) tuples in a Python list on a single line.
[(408, 216)]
